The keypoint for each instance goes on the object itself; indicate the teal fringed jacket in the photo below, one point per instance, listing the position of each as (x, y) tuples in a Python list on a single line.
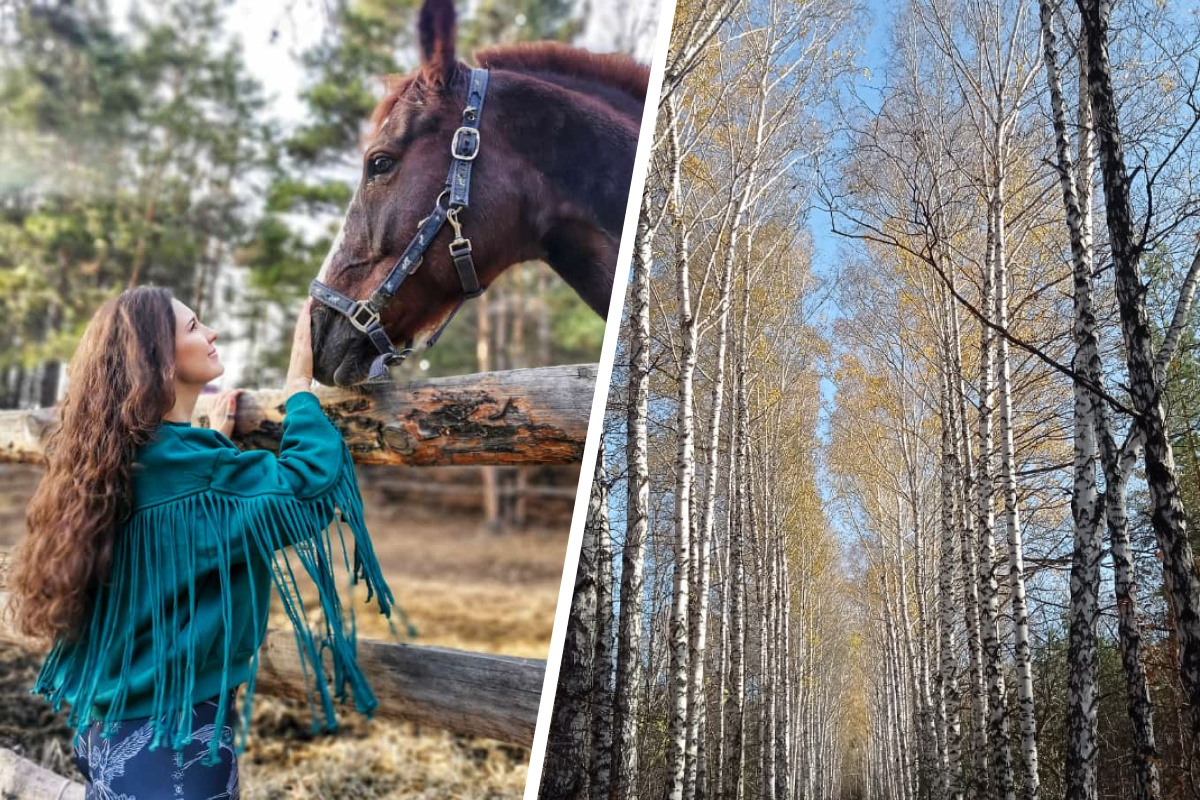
[(184, 609)]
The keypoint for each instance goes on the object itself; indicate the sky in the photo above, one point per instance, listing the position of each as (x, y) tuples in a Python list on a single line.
[(828, 252), (829, 248), (872, 60)]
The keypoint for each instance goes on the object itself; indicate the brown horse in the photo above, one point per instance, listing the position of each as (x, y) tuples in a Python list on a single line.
[(551, 181)]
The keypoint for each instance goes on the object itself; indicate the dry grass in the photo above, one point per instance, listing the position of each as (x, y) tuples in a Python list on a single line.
[(377, 759), (489, 619), (462, 587)]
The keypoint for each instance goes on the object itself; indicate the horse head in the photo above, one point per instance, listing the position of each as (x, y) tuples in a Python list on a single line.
[(555, 147)]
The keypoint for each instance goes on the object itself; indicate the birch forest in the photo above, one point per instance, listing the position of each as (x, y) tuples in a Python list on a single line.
[(899, 478)]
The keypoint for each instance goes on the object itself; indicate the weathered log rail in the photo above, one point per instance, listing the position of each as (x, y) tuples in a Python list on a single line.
[(416, 487), (521, 416), (22, 778)]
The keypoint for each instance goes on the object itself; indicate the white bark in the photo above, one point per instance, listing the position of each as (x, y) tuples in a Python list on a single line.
[(948, 598), (629, 659), (684, 470), (604, 658)]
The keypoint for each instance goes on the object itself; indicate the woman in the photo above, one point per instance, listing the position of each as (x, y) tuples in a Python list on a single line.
[(153, 543)]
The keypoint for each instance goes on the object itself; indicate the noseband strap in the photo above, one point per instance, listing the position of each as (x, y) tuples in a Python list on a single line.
[(364, 314)]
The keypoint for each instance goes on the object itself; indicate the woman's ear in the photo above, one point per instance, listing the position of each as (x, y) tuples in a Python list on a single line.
[(435, 32)]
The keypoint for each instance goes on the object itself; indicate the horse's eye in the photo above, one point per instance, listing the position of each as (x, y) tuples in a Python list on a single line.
[(380, 165)]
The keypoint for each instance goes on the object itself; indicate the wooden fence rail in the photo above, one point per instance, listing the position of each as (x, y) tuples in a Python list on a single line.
[(478, 694), (520, 416), (22, 778), (417, 487)]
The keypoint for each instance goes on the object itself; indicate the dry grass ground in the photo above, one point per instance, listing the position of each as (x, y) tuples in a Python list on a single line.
[(461, 586)]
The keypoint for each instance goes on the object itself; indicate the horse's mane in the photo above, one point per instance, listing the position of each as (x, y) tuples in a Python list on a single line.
[(617, 70)]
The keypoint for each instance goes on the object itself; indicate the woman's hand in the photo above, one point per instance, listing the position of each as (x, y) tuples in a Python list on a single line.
[(222, 412), (223, 409), (300, 369)]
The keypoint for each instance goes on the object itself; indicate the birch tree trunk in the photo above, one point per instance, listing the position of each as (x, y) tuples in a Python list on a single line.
[(767, 582), (604, 658), (783, 729), (684, 467), (696, 782), (570, 749), (1147, 783), (1087, 511), (920, 763), (732, 783), (947, 578), (986, 706), (1001, 778), (1086, 506), (629, 660), (967, 484), (724, 680), (1180, 577), (1118, 465), (1023, 657)]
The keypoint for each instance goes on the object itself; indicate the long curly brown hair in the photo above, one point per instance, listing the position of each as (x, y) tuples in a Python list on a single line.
[(121, 386)]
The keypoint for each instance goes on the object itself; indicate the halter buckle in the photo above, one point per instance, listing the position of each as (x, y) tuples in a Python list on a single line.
[(454, 142), (372, 316), (460, 247)]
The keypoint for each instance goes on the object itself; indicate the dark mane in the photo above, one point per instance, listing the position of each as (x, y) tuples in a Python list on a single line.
[(614, 69)]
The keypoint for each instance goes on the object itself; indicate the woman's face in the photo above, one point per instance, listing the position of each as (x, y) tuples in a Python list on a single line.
[(196, 358)]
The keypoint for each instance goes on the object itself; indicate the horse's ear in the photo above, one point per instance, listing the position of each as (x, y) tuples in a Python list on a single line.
[(435, 28)]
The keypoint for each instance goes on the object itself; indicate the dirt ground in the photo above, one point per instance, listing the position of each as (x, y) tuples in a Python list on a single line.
[(461, 585)]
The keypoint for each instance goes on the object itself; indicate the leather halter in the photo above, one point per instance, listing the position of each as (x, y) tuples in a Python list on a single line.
[(364, 314)]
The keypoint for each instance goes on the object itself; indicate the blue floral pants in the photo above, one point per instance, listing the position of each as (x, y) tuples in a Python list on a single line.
[(122, 767)]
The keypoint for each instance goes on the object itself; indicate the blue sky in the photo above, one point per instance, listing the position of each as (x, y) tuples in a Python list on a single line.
[(828, 247), (873, 58)]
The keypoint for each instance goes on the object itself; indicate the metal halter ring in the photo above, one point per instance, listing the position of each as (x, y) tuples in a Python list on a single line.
[(372, 316), (436, 205)]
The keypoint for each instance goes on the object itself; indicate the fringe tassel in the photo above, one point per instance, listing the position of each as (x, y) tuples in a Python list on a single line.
[(155, 562)]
